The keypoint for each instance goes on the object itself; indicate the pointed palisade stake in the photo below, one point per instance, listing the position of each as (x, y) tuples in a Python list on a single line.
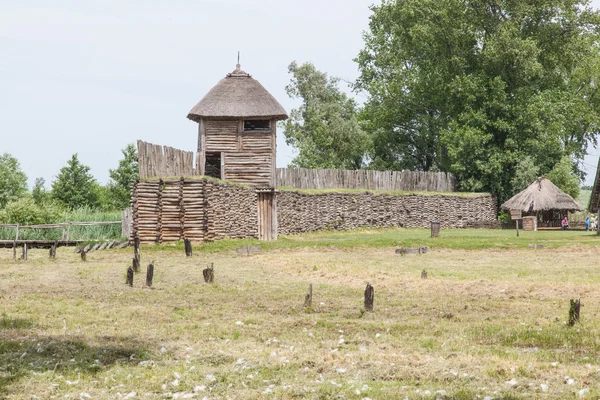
[(209, 273), (424, 274), (188, 247), (369, 297), (83, 255), (53, 250), (129, 280), (574, 307), (150, 274), (308, 297), (135, 263)]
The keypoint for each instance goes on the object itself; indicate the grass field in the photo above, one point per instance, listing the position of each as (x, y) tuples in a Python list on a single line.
[(489, 322)]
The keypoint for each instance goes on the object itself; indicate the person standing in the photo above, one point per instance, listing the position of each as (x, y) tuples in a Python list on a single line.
[(587, 223), (565, 223)]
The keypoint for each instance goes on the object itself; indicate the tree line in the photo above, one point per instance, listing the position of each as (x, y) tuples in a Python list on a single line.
[(498, 92), (74, 188)]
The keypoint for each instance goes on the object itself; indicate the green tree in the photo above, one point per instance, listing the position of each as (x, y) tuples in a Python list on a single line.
[(13, 181), (74, 186), (563, 176), (122, 177), (525, 173), (472, 87), (324, 129), (39, 193)]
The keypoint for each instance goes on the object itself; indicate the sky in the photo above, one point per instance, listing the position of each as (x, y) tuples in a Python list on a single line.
[(91, 76)]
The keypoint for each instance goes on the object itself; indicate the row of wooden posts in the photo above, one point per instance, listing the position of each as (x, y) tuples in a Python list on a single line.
[(208, 274), (134, 268), (369, 294)]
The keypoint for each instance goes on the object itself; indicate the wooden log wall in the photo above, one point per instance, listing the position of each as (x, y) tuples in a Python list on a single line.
[(299, 212), (194, 209), (247, 157), (145, 203), (250, 168), (302, 178), (164, 161), (207, 210)]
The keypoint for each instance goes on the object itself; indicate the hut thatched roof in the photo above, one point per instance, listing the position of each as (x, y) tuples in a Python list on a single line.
[(541, 195), (238, 95)]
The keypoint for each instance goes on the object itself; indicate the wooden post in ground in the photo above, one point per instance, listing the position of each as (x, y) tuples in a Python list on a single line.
[(15, 242), (53, 250), (308, 297), (83, 255), (136, 265), (188, 247), (129, 280), (136, 248), (574, 308), (69, 232), (369, 297), (424, 274), (209, 273), (25, 251), (150, 274)]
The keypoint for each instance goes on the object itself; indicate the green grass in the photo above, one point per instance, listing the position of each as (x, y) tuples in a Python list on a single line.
[(491, 311), (459, 239)]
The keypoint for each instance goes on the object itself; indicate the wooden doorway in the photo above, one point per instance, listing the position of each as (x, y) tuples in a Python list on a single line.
[(267, 215), (213, 165)]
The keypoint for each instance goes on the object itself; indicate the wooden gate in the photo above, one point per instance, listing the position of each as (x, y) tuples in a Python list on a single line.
[(267, 215)]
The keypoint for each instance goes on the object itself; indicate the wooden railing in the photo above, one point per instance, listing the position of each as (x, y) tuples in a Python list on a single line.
[(302, 178), (66, 227)]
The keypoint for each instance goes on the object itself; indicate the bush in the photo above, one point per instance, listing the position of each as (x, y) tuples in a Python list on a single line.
[(504, 217), (25, 211)]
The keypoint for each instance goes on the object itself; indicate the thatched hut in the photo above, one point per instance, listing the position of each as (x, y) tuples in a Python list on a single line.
[(543, 200), (237, 129)]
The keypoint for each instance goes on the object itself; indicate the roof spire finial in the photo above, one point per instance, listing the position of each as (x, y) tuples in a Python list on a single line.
[(238, 66)]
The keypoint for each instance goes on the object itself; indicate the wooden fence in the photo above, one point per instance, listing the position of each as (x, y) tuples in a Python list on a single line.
[(65, 226), (157, 161), (164, 161), (302, 178)]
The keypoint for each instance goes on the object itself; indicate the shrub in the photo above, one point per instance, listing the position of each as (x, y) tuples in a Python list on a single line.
[(25, 211)]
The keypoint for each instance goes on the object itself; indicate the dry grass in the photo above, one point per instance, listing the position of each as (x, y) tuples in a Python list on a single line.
[(485, 323)]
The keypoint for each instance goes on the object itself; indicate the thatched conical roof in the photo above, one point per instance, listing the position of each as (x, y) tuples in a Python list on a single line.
[(541, 195), (238, 95)]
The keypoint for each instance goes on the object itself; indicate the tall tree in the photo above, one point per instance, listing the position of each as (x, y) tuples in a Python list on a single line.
[(122, 177), (74, 186), (13, 181), (562, 176), (525, 173), (474, 86), (324, 129), (39, 193)]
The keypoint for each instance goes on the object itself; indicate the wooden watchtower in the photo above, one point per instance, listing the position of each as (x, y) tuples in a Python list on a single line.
[(237, 140), (237, 129)]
